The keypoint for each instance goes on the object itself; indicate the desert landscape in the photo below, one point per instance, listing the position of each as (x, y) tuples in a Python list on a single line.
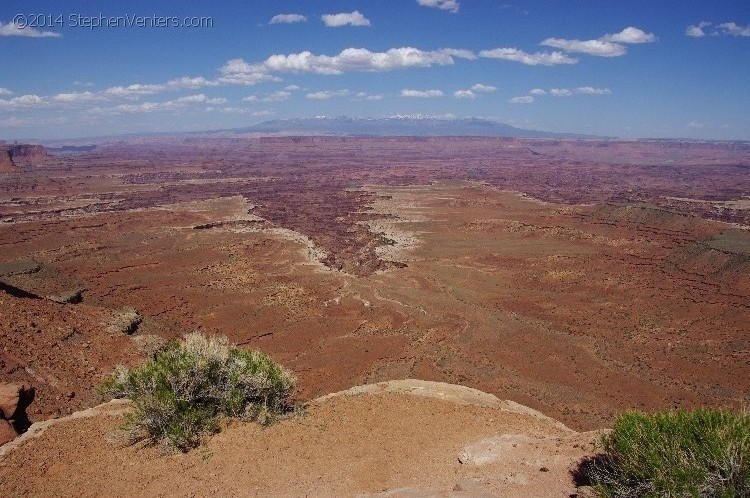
[(579, 278)]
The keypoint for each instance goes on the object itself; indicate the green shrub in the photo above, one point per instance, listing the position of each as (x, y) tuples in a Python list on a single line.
[(179, 396), (705, 452)]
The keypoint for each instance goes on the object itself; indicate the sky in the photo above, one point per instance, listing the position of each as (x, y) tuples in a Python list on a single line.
[(635, 69)]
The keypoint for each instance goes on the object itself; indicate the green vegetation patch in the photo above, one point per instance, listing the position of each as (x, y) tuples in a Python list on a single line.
[(705, 452), (179, 397)]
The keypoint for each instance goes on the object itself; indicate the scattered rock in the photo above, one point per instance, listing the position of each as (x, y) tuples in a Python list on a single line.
[(543, 469), (124, 321)]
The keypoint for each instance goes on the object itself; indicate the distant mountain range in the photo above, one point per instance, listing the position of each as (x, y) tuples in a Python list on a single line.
[(410, 125)]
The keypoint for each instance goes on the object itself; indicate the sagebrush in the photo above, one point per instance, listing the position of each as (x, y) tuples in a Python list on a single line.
[(700, 453), (179, 397)]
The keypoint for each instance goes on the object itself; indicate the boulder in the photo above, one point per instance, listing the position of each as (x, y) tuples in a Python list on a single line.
[(124, 321), (14, 399), (7, 432)]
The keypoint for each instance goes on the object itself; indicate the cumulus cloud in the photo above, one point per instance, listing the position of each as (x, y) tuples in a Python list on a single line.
[(449, 5), (345, 19), (457, 52), (525, 99), (483, 88), (696, 30), (13, 29), (278, 96), (598, 48), (191, 83), (539, 58), (133, 91), (5, 91), (590, 90), (327, 94), (730, 28), (560, 92), (239, 72), (287, 19), (367, 96), (250, 98), (609, 45), (464, 94), (355, 59), (567, 92), (78, 97), (630, 35), (421, 93), (291, 88)]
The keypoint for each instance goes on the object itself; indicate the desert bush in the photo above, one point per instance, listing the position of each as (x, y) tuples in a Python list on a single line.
[(179, 397), (701, 453)]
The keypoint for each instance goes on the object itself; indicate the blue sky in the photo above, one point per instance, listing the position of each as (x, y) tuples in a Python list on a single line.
[(661, 69)]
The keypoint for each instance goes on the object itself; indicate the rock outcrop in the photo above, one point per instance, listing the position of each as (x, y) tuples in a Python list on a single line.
[(14, 399), (12, 155), (6, 162)]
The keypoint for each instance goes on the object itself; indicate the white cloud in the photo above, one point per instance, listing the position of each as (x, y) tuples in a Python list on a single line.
[(367, 96), (250, 98), (287, 19), (239, 72), (291, 88), (345, 19), (327, 94), (449, 5), (630, 35), (597, 48), (695, 31), (483, 88), (133, 91), (192, 99), (352, 59), (13, 29), (23, 102), (566, 92), (278, 96), (83, 83), (589, 90), (560, 92), (464, 94), (539, 58), (421, 93), (609, 45), (245, 110), (730, 28), (525, 99), (5, 91), (695, 125), (457, 52), (77, 97), (191, 83)]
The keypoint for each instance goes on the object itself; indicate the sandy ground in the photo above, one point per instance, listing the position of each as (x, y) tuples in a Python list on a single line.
[(381, 442)]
